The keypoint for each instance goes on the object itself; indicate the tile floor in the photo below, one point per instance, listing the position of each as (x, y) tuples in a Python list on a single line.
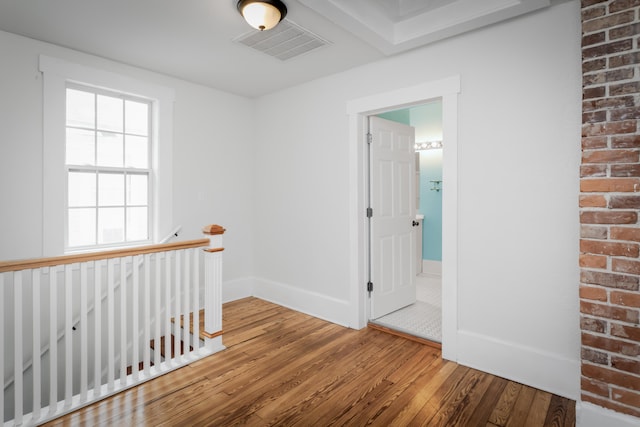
[(424, 318)]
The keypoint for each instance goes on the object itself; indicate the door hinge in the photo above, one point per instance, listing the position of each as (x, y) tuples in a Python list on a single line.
[(369, 212), (369, 138), (369, 287)]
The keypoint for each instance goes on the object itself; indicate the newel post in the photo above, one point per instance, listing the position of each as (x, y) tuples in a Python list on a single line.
[(213, 286)]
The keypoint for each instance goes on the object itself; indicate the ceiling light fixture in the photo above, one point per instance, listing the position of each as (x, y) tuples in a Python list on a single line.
[(262, 15)]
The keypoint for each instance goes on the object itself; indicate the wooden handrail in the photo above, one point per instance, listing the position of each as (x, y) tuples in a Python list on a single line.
[(92, 256)]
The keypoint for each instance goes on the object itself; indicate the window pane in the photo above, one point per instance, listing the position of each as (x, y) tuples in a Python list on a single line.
[(81, 109), (110, 149), (137, 190), (136, 117), (110, 189), (110, 113), (80, 147), (137, 228), (82, 189), (110, 225), (82, 227), (137, 152)]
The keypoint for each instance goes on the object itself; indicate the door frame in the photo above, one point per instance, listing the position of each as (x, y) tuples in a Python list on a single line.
[(358, 111)]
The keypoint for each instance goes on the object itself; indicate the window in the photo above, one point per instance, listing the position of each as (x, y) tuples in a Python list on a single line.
[(107, 164), (107, 156)]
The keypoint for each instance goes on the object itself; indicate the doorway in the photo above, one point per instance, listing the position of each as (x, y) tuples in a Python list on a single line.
[(358, 110), (422, 318)]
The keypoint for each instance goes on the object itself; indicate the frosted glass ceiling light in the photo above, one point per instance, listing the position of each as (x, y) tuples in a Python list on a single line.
[(262, 15)]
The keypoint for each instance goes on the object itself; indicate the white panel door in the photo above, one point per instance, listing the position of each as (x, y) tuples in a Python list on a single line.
[(392, 192)]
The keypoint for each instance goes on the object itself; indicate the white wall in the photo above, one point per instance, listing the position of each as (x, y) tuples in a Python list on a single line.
[(212, 174), (519, 152)]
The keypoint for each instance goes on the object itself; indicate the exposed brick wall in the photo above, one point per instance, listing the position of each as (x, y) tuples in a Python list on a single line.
[(610, 205)]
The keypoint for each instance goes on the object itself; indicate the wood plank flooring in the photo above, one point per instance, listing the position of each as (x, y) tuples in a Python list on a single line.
[(286, 368)]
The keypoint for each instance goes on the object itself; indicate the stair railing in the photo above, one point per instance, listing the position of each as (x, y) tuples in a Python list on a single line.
[(157, 304)]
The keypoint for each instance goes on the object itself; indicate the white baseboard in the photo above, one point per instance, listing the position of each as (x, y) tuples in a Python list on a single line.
[(526, 365), (590, 415), (317, 305), (432, 268), (237, 289)]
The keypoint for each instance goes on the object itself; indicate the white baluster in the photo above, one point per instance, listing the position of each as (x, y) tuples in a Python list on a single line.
[(53, 340), (123, 321), (36, 366), (146, 357), (196, 300), (111, 348), (167, 317), (157, 293), (177, 337), (67, 334), (135, 312), (187, 316), (97, 314), (17, 348), (83, 331), (2, 341)]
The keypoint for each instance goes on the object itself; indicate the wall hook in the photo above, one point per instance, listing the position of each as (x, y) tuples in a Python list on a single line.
[(436, 185)]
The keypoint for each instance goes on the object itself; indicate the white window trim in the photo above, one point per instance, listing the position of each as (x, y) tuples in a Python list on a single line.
[(56, 74)]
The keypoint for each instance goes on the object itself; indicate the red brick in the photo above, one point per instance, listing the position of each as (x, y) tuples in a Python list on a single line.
[(593, 232), (625, 266), (594, 142), (609, 103), (624, 31), (593, 171), (595, 65), (593, 292), (626, 332), (624, 59), (625, 114), (594, 38), (625, 141), (608, 312), (595, 356), (610, 280), (594, 92), (624, 202), (624, 364), (608, 21), (594, 117), (613, 345), (610, 156), (618, 5), (593, 201), (625, 170), (607, 76), (609, 185), (586, 3), (593, 325), (623, 409), (627, 299), (612, 128), (626, 397), (594, 386), (594, 12), (608, 217), (625, 233), (623, 89)]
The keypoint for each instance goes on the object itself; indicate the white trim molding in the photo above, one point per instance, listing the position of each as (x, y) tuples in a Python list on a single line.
[(56, 73), (590, 415), (448, 90)]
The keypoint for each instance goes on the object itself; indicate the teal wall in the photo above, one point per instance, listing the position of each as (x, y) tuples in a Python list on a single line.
[(427, 121), (431, 204)]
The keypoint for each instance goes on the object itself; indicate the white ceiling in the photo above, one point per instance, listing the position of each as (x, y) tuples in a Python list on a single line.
[(193, 39)]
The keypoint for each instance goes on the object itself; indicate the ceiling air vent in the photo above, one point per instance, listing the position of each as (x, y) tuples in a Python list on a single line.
[(285, 41)]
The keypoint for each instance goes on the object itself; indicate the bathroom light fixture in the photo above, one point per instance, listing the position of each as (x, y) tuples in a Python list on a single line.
[(428, 145), (262, 15)]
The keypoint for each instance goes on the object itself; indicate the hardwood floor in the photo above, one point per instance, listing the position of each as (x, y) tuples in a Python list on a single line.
[(282, 367)]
